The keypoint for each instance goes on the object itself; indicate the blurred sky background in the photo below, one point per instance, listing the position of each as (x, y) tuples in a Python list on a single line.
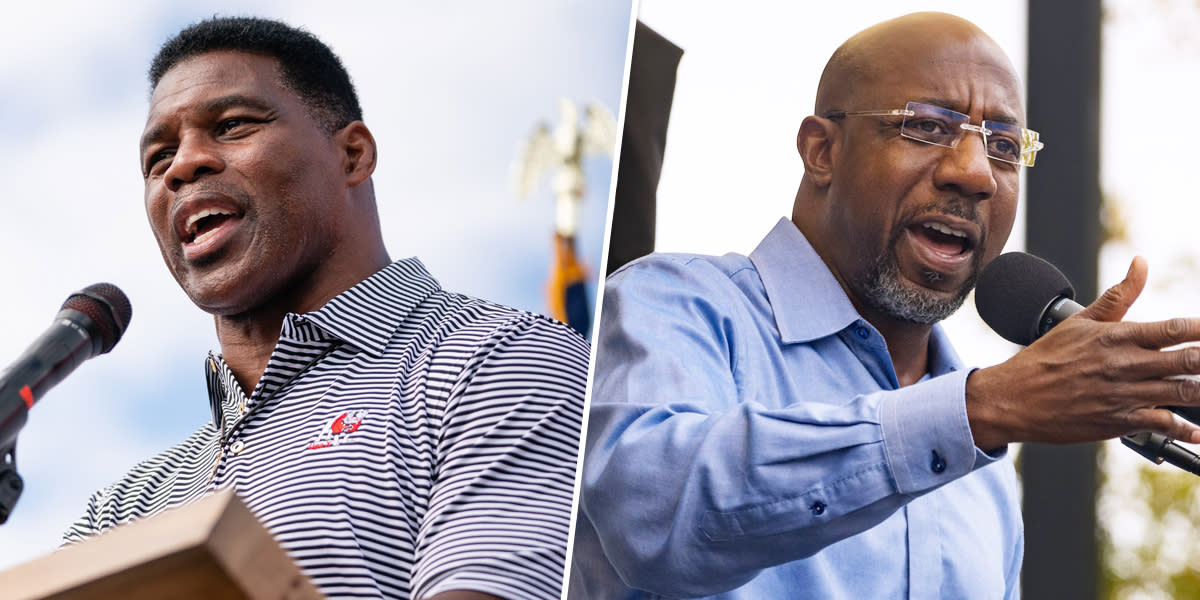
[(450, 90)]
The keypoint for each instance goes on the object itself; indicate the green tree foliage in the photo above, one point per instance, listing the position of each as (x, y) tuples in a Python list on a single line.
[(1149, 529)]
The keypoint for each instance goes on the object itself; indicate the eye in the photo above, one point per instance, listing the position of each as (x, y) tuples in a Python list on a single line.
[(929, 129), (237, 126), (929, 126), (1004, 147), (158, 162), (227, 125)]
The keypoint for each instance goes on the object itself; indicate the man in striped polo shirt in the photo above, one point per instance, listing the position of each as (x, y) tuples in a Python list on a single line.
[(399, 440)]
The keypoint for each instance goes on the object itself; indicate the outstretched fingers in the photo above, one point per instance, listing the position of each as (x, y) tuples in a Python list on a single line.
[(1162, 334), (1161, 420)]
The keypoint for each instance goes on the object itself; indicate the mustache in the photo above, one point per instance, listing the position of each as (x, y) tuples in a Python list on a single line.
[(954, 207)]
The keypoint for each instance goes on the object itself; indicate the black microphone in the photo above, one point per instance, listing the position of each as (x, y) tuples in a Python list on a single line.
[(1021, 297), (90, 323)]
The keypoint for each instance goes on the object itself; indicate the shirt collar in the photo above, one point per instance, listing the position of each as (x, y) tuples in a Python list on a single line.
[(942, 357), (367, 314), (791, 269)]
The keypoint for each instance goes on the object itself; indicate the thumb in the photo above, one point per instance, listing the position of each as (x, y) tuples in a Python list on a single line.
[(1116, 300)]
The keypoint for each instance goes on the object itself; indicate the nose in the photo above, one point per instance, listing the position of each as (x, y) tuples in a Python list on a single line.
[(193, 158), (966, 169)]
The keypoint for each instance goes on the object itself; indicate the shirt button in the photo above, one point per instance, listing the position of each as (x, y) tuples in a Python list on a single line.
[(863, 333), (817, 508), (938, 464), (237, 447)]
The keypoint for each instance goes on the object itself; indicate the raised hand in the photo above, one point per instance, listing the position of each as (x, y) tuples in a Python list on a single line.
[(1090, 378)]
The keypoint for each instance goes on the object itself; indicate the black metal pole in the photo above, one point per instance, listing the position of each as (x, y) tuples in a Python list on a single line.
[(1063, 226)]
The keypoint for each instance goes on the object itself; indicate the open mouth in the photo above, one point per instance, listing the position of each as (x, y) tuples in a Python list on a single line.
[(943, 240), (203, 224)]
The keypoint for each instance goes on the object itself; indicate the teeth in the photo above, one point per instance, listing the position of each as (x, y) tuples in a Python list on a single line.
[(203, 236), (946, 230), (208, 212)]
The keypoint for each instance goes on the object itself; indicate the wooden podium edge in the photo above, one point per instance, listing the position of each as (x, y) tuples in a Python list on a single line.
[(212, 546)]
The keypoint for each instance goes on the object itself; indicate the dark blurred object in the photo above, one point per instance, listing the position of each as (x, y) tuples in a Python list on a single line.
[(647, 110), (1062, 217)]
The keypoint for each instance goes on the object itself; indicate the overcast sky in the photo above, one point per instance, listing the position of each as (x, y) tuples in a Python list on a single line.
[(449, 91)]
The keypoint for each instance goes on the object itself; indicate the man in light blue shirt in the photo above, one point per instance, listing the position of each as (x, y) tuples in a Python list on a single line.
[(795, 424)]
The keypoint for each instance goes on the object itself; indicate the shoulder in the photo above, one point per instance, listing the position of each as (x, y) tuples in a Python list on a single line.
[(684, 285), (482, 339), (482, 325), (697, 268)]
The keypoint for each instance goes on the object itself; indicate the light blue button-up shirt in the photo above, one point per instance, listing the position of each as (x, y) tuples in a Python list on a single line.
[(748, 439)]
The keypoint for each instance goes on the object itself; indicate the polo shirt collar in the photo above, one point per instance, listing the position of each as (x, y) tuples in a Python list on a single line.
[(367, 314)]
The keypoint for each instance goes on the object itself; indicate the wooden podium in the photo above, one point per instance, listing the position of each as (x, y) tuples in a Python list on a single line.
[(213, 548)]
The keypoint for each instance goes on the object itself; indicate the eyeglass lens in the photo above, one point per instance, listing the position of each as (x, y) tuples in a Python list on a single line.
[(944, 127)]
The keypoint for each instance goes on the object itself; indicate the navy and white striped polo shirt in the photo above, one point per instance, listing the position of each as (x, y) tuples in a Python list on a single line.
[(402, 442)]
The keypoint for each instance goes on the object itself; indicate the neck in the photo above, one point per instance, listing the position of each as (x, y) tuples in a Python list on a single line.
[(247, 344), (249, 338), (908, 345)]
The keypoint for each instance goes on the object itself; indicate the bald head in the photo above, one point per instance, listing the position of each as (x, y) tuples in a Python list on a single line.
[(884, 55), (874, 203)]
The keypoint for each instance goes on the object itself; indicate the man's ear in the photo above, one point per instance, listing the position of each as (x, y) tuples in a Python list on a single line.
[(359, 156), (816, 143)]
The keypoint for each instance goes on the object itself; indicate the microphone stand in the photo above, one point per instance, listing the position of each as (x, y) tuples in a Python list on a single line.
[(10, 482), (1158, 448)]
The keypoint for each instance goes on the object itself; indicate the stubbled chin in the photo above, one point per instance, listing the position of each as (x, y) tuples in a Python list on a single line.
[(212, 288)]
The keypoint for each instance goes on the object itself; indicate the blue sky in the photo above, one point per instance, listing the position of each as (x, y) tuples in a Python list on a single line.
[(449, 91)]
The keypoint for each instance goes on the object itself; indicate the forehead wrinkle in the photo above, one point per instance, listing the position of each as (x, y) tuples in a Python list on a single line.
[(209, 107)]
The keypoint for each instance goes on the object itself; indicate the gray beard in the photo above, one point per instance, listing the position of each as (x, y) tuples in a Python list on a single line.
[(887, 293)]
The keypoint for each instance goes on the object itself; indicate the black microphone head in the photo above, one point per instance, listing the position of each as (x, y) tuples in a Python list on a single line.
[(1013, 292), (108, 307)]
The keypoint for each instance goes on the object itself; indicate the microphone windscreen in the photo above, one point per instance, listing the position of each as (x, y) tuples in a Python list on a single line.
[(1013, 292), (108, 307)]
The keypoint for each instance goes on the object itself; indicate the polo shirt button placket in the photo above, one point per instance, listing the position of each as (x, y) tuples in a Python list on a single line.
[(237, 447)]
